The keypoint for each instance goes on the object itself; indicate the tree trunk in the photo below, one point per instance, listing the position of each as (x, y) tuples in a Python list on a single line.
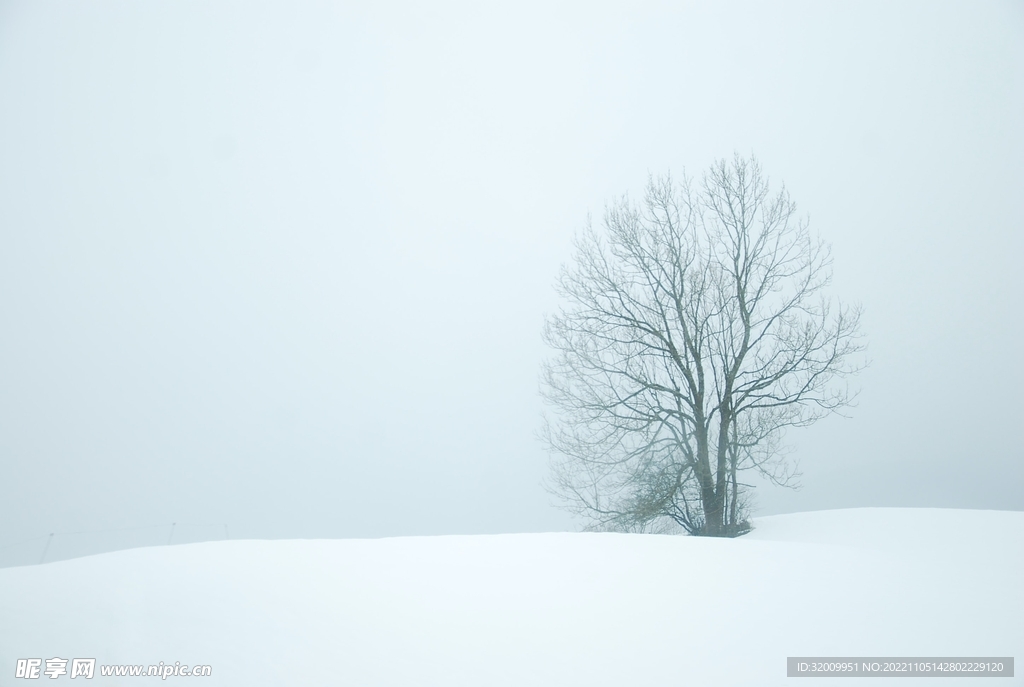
[(714, 506), (733, 508), (713, 513)]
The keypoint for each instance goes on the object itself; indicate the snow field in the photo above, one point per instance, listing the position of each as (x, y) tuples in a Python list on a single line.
[(537, 609)]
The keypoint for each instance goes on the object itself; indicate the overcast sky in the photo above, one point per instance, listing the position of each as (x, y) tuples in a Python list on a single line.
[(285, 266)]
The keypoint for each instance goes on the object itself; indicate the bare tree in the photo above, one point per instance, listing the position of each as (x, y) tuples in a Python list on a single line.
[(695, 331)]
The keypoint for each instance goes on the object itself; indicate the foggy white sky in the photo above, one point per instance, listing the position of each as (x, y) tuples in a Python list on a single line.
[(285, 266)]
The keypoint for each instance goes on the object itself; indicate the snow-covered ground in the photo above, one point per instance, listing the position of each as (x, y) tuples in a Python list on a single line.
[(536, 609)]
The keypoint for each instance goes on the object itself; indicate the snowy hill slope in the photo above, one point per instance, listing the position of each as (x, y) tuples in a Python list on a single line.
[(535, 609)]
